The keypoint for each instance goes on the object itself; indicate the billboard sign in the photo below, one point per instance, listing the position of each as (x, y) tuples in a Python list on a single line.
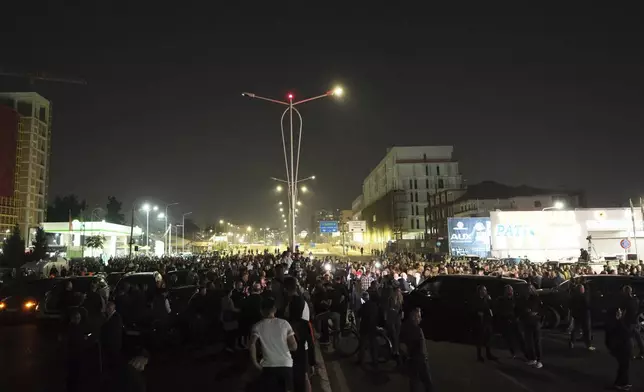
[(357, 226), (329, 227), (470, 236)]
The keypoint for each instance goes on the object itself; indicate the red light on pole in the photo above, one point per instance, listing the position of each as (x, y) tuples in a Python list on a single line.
[(290, 96)]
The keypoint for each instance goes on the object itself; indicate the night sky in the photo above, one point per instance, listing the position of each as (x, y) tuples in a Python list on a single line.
[(550, 98)]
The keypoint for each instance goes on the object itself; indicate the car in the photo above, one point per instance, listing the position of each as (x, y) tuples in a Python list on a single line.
[(446, 302), (20, 301), (49, 309), (178, 295), (605, 293)]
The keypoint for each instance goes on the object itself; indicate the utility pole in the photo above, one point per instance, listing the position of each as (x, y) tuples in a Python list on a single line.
[(131, 232)]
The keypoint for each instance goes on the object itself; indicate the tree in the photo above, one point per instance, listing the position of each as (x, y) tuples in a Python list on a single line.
[(13, 249), (114, 214), (61, 208), (40, 245), (95, 241)]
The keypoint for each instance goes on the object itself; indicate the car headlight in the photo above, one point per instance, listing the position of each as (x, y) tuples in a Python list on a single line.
[(2, 305), (29, 305)]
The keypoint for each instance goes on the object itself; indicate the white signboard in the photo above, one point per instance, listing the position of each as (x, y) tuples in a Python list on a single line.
[(357, 226)]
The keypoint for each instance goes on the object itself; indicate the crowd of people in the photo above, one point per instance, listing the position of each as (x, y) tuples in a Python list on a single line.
[(282, 302)]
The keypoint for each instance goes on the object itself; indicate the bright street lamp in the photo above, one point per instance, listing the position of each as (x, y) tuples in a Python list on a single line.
[(146, 208), (281, 209), (304, 189), (278, 188), (280, 203), (558, 205), (221, 221), (299, 203), (249, 228), (292, 164)]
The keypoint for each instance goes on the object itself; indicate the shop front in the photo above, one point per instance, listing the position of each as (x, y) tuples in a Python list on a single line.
[(609, 233)]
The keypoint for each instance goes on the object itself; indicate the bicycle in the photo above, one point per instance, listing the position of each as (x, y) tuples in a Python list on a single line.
[(346, 341)]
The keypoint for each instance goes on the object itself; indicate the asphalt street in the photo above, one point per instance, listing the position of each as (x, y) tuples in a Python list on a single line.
[(33, 361), (454, 368)]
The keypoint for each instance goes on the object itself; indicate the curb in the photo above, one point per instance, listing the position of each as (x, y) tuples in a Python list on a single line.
[(322, 376)]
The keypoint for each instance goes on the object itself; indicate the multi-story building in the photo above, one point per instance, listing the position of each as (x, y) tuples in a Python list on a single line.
[(395, 193), (34, 146), (479, 199), (356, 207), (9, 169)]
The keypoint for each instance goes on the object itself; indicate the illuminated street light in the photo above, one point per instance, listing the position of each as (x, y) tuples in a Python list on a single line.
[(278, 188), (304, 189), (249, 228), (221, 221), (283, 216), (299, 203), (161, 216), (281, 210), (280, 203), (558, 205), (294, 136), (145, 207)]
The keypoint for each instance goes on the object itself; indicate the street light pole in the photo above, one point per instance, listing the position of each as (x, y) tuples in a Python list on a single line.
[(167, 236), (183, 231), (292, 174)]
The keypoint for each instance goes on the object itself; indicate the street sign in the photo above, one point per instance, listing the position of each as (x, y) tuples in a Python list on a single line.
[(329, 227), (357, 226), (625, 243)]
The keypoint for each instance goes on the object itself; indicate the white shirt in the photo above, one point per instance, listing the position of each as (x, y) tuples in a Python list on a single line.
[(306, 315), (272, 334)]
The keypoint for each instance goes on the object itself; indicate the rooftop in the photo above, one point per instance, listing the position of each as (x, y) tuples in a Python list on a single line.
[(494, 190)]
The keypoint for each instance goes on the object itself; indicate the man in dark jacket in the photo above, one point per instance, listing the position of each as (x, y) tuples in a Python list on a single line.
[(508, 317), (483, 323), (369, 315), (631, 308), (618, 342), (580, 311), (532, 326), (413, 338), (111, 338)]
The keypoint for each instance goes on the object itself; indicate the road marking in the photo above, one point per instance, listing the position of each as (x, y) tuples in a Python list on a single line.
[(513, 380), (343, 385), (322, 374)]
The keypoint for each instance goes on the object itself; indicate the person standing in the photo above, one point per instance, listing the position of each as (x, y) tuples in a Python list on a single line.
[(580, 311), (297, 313), (507, 313), (413, 338), (277, 340), (631, 311), (393, 312), (483, 324), (532, 328), (618, 342), (369, 316)]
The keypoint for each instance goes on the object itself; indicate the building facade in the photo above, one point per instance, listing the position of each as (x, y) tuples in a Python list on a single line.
[(34, 152), (396, 193), (480, 199), (9, 169)]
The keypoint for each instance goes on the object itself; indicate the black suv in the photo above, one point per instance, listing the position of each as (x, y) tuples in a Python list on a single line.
[(446, 301), (605, 293), (49, 309)]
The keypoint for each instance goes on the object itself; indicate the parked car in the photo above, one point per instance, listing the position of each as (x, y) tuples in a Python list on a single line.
[(50, 310), (446, 302), (20, 301), (605, 293)]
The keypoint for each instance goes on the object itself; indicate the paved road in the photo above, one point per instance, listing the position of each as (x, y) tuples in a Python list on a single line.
[(454, 368), (31, 361)]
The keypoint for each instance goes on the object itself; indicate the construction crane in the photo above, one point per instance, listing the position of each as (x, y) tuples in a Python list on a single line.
[(32, 77)]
